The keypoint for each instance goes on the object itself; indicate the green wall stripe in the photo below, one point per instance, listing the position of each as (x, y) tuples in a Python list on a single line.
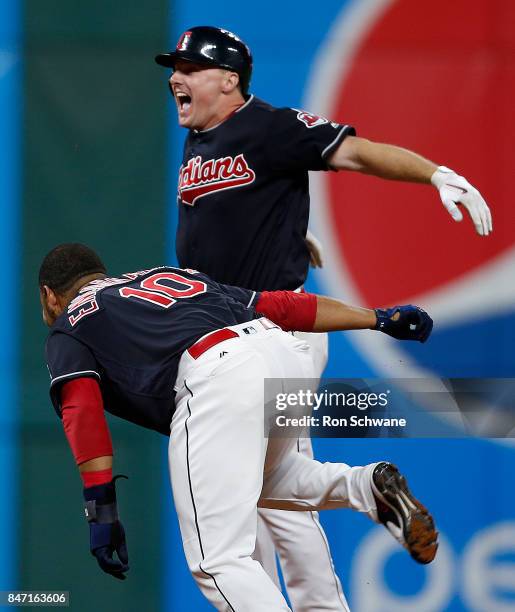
[(94, 164)]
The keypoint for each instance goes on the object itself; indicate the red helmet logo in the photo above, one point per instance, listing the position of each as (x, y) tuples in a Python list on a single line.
[(183, 41)]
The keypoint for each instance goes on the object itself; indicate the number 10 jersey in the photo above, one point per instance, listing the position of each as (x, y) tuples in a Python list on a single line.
[(130, 332)]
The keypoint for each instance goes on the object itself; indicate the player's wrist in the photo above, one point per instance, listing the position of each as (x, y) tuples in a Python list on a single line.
[(440, 176), (104, 493), (382, 319), (100, 505), (97, 477), (373, 319)]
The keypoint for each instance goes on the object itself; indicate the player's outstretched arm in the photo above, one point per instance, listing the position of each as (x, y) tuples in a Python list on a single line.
[(391, 162), (88, 435), (333, 315), (308, 312), (402, 322)]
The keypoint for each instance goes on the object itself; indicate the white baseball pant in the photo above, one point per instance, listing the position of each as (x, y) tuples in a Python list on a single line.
[(222, 465), (315, 585)]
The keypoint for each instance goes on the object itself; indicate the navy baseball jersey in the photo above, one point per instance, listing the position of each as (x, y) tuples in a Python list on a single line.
[(244, 194), (130, 333)]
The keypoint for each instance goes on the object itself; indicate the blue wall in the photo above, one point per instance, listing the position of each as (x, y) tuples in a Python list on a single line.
[(10, 116)]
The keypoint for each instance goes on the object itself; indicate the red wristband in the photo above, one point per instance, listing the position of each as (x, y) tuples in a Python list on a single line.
[(98, 477)]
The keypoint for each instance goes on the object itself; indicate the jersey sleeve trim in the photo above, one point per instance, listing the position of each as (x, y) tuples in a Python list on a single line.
[(72, 375), (347, 130), (252, 300), (57, 383)]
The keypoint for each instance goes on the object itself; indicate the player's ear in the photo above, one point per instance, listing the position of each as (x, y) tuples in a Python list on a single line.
[(230, 82), (49, 297), (49, 303)]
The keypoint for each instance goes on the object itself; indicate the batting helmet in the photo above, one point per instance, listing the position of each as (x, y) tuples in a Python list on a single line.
[(215, 47)]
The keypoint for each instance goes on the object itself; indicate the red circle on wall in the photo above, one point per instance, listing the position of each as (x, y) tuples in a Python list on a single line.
[(438, 79)]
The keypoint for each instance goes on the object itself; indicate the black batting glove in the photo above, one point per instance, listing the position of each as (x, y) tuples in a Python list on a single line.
[(412, 323), (106, 532)]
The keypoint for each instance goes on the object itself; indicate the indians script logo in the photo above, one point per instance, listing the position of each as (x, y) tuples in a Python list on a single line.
[(198, 179)]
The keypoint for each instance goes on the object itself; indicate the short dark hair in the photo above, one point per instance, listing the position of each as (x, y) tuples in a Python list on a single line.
[(66, 263)]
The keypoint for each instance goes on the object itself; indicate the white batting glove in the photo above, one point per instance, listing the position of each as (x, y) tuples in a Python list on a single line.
[(316, 252), (454, 190)]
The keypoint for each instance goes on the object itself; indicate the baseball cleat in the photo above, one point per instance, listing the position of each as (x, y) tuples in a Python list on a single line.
[(404, 516)]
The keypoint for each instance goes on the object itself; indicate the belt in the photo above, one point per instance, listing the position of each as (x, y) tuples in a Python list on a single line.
[(226, 333)]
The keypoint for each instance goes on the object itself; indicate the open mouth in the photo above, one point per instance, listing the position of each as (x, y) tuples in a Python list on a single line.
[(183, 100)]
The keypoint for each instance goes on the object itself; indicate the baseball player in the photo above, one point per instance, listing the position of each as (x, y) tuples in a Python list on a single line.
[(243, 199), (172, 350)]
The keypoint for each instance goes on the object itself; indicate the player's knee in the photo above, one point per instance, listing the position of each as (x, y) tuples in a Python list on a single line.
[(219, 565)]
